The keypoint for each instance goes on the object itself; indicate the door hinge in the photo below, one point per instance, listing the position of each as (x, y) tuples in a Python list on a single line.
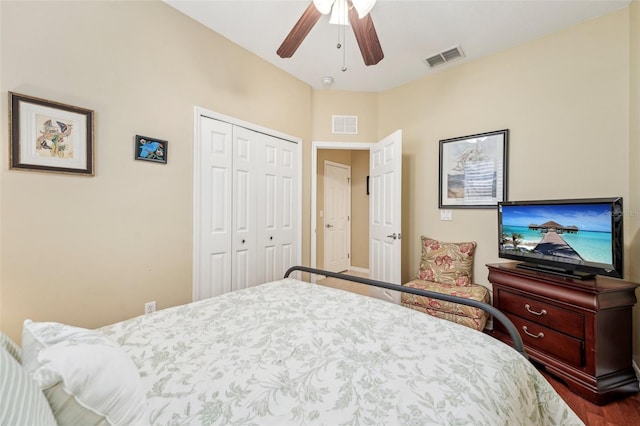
[(348, 256), (348, 180), (348, 218)]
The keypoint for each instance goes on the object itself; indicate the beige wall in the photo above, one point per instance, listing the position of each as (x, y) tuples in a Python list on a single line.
[(632, 219), (566, 94), (92, 250), (2, 161), (327, 103), (359, 209)]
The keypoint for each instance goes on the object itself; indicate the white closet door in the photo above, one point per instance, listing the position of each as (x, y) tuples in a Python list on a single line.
[(277, 198), (244, 242), (215, 147), (246, 207), (287, 219)]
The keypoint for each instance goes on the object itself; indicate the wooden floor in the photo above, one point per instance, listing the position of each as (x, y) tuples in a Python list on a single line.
[(625, 412), (348, 285)]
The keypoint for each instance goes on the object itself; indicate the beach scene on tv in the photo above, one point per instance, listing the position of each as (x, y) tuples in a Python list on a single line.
[(574, 233)]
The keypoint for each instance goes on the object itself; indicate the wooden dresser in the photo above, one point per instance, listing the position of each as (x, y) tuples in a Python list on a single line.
[(580, 330)]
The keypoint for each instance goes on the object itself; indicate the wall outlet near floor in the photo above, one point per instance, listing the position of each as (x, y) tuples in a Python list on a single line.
[(446, 215), (150, 307)]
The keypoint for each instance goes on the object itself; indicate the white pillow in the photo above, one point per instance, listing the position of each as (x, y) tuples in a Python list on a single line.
[(87, 378)]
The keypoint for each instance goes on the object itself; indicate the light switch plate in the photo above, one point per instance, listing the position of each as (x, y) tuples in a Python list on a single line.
[(446, 215)]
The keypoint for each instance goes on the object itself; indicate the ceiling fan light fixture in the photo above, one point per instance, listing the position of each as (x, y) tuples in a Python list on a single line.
[(340, 13), (323, 6), (363, 7)]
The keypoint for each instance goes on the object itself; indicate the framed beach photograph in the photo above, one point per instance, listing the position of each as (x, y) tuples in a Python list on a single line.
[(151, 149), (473, 170), (49, 136)]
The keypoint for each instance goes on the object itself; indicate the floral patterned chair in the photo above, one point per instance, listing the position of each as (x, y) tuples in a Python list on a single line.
[(448, 268)]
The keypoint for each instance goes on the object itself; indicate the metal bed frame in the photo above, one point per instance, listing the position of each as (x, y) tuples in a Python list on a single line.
[(506, 322)]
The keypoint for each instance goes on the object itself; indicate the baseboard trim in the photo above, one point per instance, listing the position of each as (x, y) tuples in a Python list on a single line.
[(357, 269), (636, 369)]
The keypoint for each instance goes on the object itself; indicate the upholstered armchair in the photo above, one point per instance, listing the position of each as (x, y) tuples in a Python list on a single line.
[(447, 268)]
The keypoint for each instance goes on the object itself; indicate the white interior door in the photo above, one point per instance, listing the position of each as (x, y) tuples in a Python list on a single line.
[(337, 209), (385, 188), (277, 197), (246, 146), (215, 200), (247, 210)]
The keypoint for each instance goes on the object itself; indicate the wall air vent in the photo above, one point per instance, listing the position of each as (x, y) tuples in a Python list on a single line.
[(344, 124), (445, 56)]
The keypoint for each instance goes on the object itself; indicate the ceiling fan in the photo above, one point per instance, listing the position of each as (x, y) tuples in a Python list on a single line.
[(358, 15)]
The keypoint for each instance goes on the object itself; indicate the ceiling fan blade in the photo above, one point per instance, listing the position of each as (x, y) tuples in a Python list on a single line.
[(299, 31), (366, 37)]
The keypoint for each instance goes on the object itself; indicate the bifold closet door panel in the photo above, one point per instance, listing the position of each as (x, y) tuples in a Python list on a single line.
[(277, 221), (246, 169), (288, 219), (247, 193), (215, 195)]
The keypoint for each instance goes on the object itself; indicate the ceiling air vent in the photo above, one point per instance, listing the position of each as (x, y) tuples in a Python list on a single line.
[(345, 124), (445, 56)]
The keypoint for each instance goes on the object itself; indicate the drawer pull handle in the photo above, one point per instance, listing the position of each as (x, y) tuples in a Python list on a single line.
[(528, 308), (535, 336)]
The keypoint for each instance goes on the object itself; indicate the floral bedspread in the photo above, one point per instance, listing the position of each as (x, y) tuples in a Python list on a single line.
[(290, 352)]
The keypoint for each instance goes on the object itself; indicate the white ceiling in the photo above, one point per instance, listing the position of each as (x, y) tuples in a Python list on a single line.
[(409, 32)]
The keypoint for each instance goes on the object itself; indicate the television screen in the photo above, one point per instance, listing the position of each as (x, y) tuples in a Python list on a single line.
[(578, 238)]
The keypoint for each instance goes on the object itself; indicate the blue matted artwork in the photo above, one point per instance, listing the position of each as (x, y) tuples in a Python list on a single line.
[(151, 149)]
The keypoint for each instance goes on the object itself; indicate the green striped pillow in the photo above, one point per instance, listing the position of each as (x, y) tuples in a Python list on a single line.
[(21, 400), (11, 347)]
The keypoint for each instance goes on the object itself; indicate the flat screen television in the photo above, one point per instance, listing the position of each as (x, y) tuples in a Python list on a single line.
[(576, 238)]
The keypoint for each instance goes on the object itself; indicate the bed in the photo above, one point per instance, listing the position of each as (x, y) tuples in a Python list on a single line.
[(291, 352)]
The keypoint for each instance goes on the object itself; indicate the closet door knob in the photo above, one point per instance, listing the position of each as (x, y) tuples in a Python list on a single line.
[(271, 238), (243, 241)]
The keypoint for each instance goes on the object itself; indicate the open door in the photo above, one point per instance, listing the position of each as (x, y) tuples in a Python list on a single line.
[(385, 214)]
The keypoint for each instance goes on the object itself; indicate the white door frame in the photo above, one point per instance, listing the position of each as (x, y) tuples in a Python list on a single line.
[(199, 112), (315, 146)]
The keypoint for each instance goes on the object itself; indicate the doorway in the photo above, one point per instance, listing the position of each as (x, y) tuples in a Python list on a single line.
[(381, 234), (336, 215), (340, 156)]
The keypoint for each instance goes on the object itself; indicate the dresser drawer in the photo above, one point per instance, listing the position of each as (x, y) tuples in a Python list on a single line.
[(531, 309), (560, 346)]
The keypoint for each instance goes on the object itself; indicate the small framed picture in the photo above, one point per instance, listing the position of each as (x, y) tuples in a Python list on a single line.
[(49, 136), (473, 170), (151, 149)]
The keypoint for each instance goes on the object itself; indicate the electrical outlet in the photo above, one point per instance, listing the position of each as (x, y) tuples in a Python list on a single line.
[(150, 307)]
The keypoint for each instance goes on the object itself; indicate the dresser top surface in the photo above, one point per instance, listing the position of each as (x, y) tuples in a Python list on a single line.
[(598, 284)]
